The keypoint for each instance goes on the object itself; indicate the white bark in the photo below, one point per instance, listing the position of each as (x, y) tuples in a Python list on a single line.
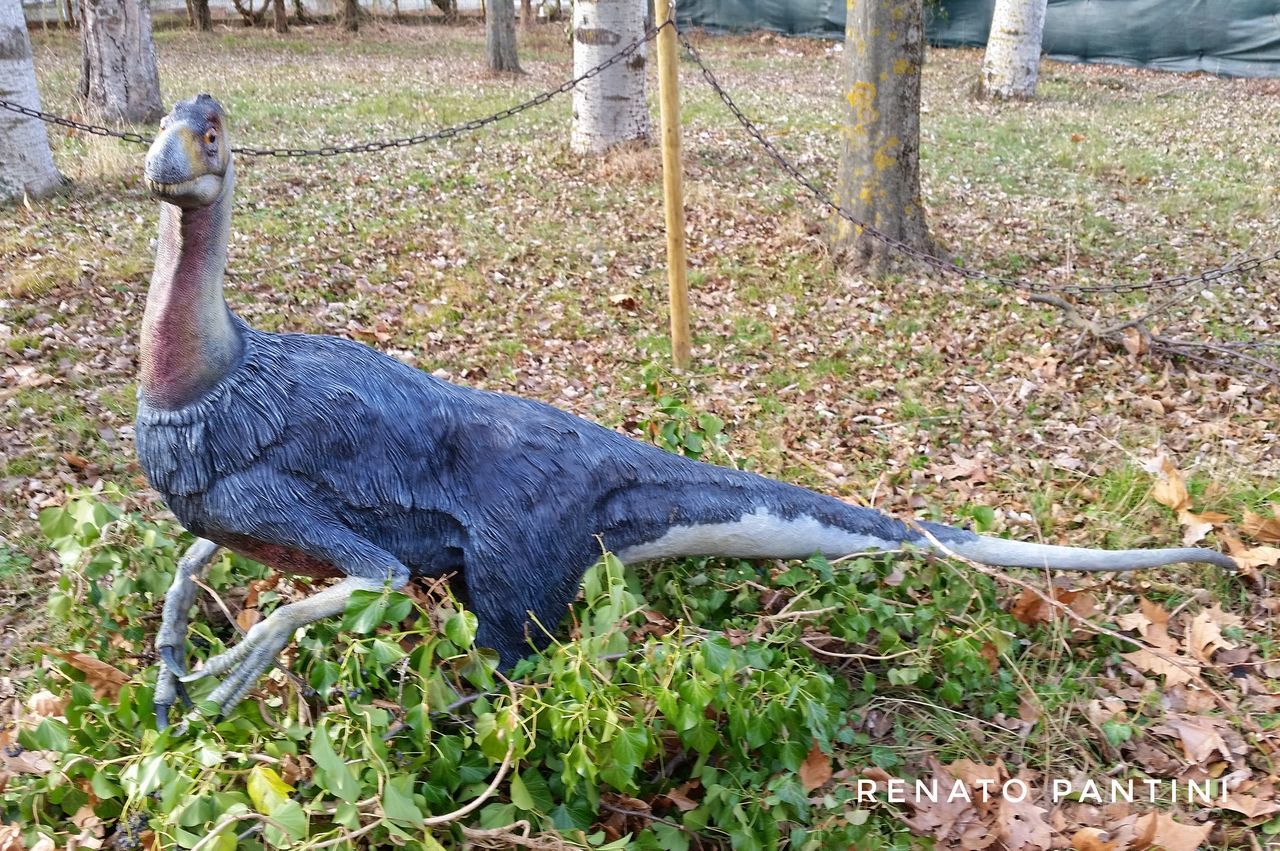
[(610, 108), (1012, 61), (119, 78), (26, 165)]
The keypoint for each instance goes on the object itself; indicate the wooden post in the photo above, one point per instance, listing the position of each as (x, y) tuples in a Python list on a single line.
[(673, 183)]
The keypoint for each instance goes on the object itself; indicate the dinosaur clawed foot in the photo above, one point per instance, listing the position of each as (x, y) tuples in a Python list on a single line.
[(242, 665), (169, 656), (168, 689)]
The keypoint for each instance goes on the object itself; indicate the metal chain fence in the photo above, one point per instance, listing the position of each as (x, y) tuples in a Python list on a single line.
[(823, 197), (365, 147), (941, 263)]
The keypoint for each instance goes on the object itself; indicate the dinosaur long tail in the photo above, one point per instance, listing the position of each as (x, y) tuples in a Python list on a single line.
[(729, 513), (1001, 552)]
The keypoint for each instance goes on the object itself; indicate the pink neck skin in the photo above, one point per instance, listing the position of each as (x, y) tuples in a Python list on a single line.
[(189, 341)]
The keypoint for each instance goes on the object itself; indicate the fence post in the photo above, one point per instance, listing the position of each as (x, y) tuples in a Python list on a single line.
[(673, 181)]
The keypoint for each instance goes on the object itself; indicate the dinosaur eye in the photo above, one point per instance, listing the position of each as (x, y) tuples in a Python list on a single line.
[(210, 137)]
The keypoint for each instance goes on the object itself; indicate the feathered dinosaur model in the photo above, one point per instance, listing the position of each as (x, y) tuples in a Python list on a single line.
[(321, 456)]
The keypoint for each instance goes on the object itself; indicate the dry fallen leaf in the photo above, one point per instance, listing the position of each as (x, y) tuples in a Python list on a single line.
[(963, 468), (11, 838), (679, 796), (45, 704), (1159, 830), (1031, 608), (1022, 825), (1201, 740), (1204, 637), (1250, 557), (1265, 529), (1250, 805), (1092, 839), (815, 771), (1169, 489), (1134, 342), (1175, 674), (104, 679), (246, 618), (1152, 623)]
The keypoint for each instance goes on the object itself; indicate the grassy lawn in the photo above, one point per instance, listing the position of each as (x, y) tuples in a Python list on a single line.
[(500, 260)]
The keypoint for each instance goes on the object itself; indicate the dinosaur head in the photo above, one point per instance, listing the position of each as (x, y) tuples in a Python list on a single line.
[(189, 160)]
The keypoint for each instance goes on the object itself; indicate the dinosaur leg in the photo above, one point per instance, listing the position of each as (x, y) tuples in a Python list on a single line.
[(249, 659), (171, 640), (515, 620)]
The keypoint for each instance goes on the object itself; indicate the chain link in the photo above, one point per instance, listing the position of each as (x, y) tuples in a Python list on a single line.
[(931, 260), (373, 146), (940, 263)]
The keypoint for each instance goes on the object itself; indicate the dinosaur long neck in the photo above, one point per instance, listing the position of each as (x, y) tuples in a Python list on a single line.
[(189, 338)]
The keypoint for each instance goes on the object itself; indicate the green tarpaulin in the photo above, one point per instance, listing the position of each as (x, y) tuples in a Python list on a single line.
[(1236, 37)]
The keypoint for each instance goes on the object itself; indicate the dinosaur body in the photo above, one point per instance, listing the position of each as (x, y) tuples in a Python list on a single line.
[(322, 456)]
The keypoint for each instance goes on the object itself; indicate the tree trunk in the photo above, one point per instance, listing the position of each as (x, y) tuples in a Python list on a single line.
[(299, 13), (448, 8), (119, 79), (1011, 65), (26, 165), (281, 17), (500, 36), (203, 17), (609, 108), (351, 16), (526, 13), (880, 161), (249, 16)]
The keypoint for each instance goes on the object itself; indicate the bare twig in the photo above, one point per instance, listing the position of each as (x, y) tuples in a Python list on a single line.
[(866, 657), (650, 816)]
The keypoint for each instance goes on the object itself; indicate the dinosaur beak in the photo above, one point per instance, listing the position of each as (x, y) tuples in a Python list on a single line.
[(187, 162)]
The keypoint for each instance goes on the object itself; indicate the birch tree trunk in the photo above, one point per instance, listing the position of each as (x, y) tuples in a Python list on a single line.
[(1011, 65), (880, 162), (610, 108), (26, 165), (119, 79), (500, 36)]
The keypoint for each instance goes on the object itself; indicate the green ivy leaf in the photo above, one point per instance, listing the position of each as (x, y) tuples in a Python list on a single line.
[(365, 610), (292, 818), (520, 795), (717, 653), (338, 778), (397, 801), (267, 790), (630, 746), (460, 628)]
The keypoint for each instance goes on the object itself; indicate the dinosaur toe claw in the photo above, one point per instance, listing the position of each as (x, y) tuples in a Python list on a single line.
[(193, 676), (169, 655)]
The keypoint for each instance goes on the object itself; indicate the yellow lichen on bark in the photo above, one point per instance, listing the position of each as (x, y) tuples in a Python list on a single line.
[(862, 100), (882, 159), (879, 171)]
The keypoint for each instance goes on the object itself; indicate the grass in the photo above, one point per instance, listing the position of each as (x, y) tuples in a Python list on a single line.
[(500, 259)]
